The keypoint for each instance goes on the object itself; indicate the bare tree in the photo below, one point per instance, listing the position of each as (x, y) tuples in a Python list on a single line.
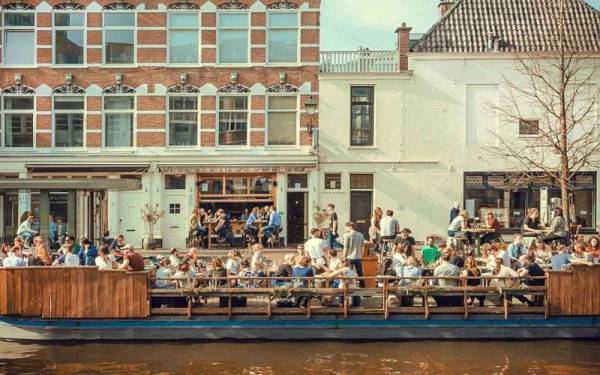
[(558, 88)]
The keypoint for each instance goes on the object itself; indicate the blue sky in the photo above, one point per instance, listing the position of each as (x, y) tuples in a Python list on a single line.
[(348, 24)]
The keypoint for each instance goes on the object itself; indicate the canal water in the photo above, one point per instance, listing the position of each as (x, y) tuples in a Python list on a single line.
[(323, 358)]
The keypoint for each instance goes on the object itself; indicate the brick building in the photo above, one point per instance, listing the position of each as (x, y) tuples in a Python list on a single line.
[(108, 106)]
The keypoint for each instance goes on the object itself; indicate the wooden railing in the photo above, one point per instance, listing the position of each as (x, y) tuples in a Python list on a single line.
[(73, 292), (184, 296), (362, 61), (575, 292)]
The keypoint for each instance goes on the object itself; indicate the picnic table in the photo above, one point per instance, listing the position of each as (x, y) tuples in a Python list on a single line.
[(237, 226), (478, 233)]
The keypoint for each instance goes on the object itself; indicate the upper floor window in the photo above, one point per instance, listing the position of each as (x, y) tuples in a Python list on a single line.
[(183, 38), (183, 120), (233, 37), (361, 115), (68, 121), (19, 37), (18, 120), (281, 120), (233, 121), (282, 37), (529, 127), (118, 121), (119, 37), (175, 182), (69, 37)]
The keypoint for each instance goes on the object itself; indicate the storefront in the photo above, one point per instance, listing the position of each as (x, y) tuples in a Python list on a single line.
[(510, 195)]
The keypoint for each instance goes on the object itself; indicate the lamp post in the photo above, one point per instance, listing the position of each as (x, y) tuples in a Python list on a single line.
[(311, 109)]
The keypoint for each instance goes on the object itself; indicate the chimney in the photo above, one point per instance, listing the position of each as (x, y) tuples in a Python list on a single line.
[(445, 6), (403, 45)]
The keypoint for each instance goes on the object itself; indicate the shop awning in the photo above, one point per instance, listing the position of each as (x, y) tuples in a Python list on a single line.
[(87, 168), (89, 184)]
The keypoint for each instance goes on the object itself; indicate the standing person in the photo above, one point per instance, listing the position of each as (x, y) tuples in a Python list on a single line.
[(430, 253), (454, 211), (558, 228), (353, 246), (25, 231), (315, 249), (389, 226), (375, 228), (132, 261), (332, 235)]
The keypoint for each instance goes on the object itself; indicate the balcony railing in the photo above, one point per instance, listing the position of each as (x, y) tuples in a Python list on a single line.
[(361, 61)]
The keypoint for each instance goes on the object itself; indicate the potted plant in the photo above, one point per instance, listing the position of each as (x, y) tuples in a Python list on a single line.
[(321, 217), (150, 216)]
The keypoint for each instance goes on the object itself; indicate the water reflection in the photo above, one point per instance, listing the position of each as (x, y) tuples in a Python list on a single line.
[(551, 358)]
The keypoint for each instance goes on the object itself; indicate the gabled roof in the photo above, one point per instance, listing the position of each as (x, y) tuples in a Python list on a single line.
[(472, 26)]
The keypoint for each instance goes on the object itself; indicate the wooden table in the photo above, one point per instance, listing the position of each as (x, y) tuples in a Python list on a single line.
[(477, 234)]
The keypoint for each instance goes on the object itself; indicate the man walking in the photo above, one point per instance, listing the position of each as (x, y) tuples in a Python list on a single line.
[(332, 235), (353, 247)]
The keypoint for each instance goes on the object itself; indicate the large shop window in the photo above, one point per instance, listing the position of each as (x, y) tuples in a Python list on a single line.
[(281, 121), (183, 121), (19, 38), (18, 121), (233, 121), (283, 37), (183, 38), (119, 37), (233, 38), (68, 121), (69, 37), (118, 121), (236, 192), (361, 115), (509, 197)]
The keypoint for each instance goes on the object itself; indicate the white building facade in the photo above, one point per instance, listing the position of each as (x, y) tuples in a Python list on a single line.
[(411, 139)]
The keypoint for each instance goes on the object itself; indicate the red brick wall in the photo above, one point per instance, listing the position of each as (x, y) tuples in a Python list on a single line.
[(151, 107)]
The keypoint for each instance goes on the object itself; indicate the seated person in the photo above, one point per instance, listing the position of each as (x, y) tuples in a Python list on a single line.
[(405, 236), (430, 253), (561, 259), (274, 223), (302, 270), (25, 231), (447, 269), (580, 256), (558, 228), (491, 223), (223, 227), (251, 229), (517, 249)]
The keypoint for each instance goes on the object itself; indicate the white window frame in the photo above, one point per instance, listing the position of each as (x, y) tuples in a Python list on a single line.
[(133, 28), (5, 112), (168, 119), (248, 119), (133, 125), (69, 28), (69, 111), (268, 111), (6, 29), (171, 28), (375, 101), (248, 39), (298, 37)]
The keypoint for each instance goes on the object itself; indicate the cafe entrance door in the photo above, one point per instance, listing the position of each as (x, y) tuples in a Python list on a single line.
[(297, 215)]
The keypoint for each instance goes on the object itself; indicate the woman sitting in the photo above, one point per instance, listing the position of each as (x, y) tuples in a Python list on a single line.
[(594, 248), (473, 275), (580, 256)]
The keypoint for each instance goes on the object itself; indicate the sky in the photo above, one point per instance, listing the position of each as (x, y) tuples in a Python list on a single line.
[(350, 24)]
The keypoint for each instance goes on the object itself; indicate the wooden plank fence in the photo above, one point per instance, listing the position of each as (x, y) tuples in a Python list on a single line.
[(575, 292), (73, 292)]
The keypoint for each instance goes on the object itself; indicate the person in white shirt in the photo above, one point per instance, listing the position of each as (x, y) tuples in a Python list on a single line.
[(163, 273), (258, 259), (71, 260), (502, 254), (315, 249), (389, 225), (174, 258), (103, 260), (15, 259), (25, 230)]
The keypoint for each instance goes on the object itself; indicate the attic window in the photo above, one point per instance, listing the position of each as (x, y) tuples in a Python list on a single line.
[(529, 127)]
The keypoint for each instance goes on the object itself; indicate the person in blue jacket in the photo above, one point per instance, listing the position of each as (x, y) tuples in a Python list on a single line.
[(87, 253)]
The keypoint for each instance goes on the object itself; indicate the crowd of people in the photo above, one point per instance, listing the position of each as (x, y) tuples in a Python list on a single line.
[(331, 258), (221, 225)]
